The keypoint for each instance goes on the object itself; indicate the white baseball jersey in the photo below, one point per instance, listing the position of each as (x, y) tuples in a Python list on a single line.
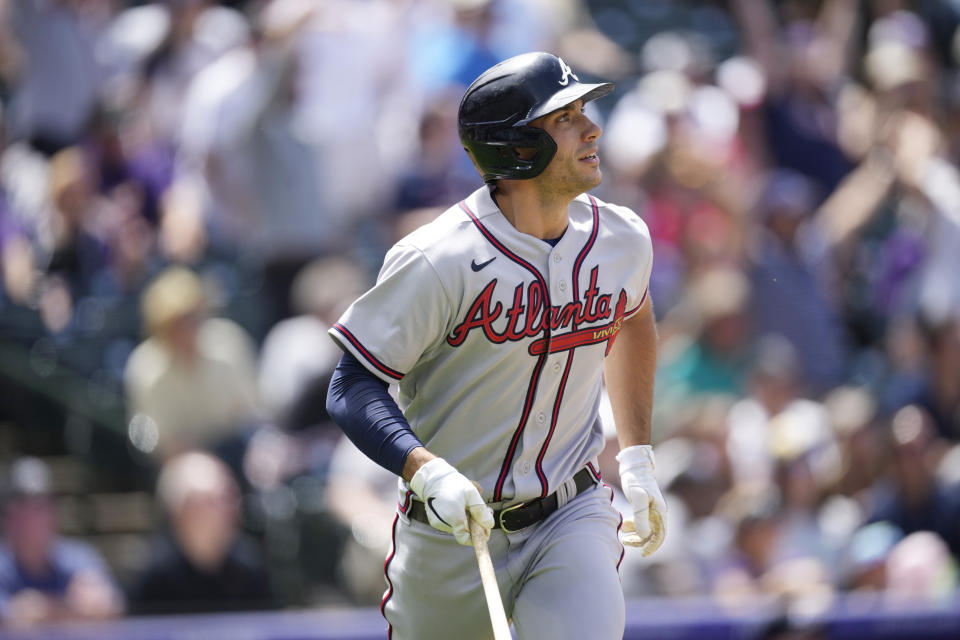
[(497, 339)]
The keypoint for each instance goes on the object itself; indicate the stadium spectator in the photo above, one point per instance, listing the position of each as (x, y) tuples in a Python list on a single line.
[(920, 570), (804, 469), (737, 575), (54, 92), (201, 561), (912, 497), (362, 496), (244, 138), (714, 352), (45, 577), (805, 57), (941, 397), (861, 442), (791, 281), (442, 171), (297, 350), (17, 253), (774, 387), (675, 153), (192, 382), (77, 222), (194, 34)]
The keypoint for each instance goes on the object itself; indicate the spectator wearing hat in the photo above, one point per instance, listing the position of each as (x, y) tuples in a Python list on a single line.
[(44, 577), (715, 357), (192, 382)]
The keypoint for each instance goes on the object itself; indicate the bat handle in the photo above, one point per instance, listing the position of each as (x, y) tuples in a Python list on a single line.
[(501, 627)]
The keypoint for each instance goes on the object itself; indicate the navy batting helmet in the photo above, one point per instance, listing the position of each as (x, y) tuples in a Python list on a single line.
[(497, 108)]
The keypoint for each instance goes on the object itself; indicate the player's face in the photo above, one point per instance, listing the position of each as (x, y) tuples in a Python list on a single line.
[(576, 166)]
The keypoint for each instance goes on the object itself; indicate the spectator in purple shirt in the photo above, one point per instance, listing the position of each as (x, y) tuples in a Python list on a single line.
[(44, 577)]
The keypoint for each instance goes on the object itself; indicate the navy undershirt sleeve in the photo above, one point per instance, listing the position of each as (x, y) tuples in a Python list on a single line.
[(359, 402)]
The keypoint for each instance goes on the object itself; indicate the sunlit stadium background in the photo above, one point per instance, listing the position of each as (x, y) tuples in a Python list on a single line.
[(192, 191)]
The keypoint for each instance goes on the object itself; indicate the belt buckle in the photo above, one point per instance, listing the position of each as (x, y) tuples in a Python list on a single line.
[(503, 512)]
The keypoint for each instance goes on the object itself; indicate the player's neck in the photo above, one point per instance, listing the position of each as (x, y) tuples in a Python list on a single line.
[(531, 211)]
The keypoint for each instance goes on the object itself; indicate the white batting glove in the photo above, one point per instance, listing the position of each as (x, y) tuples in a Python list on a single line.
[(647, 529), (449, 497)]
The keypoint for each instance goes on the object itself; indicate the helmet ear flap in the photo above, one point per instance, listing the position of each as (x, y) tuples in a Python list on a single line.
[(496, 151)]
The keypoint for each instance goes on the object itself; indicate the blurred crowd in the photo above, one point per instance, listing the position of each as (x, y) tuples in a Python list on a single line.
[(191, 192)]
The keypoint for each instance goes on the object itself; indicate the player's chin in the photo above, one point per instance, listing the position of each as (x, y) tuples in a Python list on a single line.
[(592, 178)]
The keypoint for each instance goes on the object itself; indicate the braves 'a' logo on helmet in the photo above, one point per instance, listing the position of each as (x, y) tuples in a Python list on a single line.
[(566, 73)]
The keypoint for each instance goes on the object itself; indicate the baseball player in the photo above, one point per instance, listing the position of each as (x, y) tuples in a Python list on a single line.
[(498, 321)]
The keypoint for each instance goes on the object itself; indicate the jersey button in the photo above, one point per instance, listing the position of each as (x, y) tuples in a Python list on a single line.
[(556, 257), (525, 467), (556, 366), (541, 418), (563, 285)]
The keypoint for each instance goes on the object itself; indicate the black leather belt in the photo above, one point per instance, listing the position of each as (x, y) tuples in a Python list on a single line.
[(521, 515)]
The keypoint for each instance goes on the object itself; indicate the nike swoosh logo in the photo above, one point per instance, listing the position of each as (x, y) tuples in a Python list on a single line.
[(477, 267), (430, 504)]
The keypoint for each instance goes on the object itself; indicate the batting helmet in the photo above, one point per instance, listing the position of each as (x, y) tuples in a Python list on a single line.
[(497, 108)]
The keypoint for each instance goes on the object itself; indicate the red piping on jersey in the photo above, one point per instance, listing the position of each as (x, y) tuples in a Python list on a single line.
[(527, 405), (553, 426), (596, 474), (503, 249), (585, 250), (535, 378), (406, 502), (386, 567), (369, 357), (575, 280)]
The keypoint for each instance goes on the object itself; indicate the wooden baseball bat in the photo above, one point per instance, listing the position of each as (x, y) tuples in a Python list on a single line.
[(501, 628)]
